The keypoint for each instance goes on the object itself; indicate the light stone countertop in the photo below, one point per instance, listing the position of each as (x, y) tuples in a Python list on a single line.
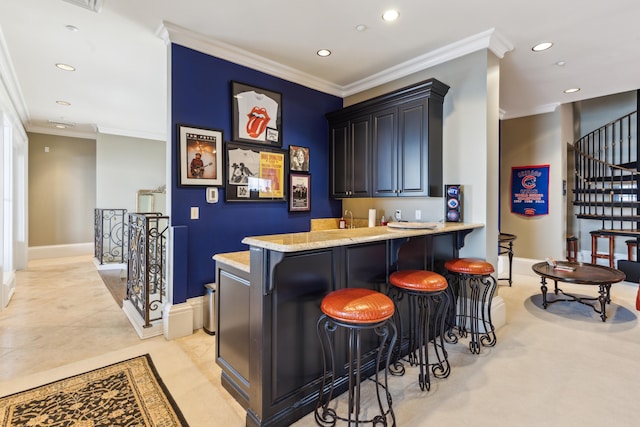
[(239, 260), (294, 242)]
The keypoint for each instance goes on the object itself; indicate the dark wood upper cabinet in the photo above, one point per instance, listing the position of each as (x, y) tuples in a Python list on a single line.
[(398, 137), (350, 157)]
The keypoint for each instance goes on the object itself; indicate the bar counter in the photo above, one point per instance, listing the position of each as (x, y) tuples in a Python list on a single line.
[(267, 346)]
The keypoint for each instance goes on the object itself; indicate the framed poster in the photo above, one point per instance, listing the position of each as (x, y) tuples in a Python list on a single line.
[(299, 192), (298, 158), (530, 190), (254, 173), (256, 115), (200, 156)]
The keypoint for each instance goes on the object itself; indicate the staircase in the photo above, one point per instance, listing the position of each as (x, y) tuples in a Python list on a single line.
[(607, 179)]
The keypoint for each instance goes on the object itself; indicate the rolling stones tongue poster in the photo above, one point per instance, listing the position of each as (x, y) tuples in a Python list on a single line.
[(257, 115)]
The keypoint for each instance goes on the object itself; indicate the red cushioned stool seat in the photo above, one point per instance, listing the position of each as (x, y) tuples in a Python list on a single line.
[(475, 287), (469, 266), (356, 310), (426, 308), (418, 280), (357, 305)]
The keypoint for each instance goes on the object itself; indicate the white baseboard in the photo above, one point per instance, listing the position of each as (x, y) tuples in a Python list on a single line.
[(60, 251), (109, 266), (137, 322)]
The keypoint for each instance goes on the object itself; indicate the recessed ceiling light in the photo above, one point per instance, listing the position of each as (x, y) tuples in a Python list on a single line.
[(561, 63), (390, 15), (361, 27), (72, 28), (542, 46), (65, 67), (324, 52), (572, 90), (65, 103), (61, 124)]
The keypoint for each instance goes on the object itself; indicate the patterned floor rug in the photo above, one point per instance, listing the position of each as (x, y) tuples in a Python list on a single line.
[(128, 393)]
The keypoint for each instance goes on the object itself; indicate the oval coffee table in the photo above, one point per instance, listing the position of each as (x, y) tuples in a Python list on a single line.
[(584, 274)]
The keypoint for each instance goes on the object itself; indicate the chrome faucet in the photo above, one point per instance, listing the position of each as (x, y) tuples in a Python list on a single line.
[(348, 212)]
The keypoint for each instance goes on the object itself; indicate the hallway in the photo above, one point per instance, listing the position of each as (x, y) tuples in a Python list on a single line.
[(556, 367)]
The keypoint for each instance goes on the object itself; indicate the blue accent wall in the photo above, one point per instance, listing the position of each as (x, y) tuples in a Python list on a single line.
[(201, 97)]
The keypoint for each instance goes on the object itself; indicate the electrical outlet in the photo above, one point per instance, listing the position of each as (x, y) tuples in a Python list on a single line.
[(397, 215), (418, 214), (195, 212)]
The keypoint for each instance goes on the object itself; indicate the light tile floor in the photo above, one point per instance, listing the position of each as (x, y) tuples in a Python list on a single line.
[(557, 367)]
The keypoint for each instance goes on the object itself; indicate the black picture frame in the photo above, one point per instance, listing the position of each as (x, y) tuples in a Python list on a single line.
[(256, 115), (299, 192), (299, 158), (255, 173), (200, 156)]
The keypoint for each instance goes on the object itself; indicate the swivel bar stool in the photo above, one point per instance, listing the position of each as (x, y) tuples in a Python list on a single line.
[(355, 310), (475, 287), (428, 306)]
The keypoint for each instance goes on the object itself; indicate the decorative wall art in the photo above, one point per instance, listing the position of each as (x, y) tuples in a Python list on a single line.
[(298, 158), (530, 190), (299, 192), (200, 156), (257, 115), (255, 173)]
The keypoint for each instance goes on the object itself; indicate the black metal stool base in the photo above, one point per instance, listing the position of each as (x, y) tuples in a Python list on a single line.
[(386, 331), (426, 335), (473, 309)]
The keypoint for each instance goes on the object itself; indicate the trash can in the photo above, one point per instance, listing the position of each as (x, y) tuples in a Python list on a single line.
[(209, 312)]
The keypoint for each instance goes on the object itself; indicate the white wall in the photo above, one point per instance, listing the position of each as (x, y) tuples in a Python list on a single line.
[(535, 140), (125, 165)]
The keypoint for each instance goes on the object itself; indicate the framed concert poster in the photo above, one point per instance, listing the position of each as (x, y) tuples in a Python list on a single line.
[(299, 192), (255, 173), (200, 156), (256, 115), (298, 158)]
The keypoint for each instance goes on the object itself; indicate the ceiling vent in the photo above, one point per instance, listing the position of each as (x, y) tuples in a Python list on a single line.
[(93, 5)]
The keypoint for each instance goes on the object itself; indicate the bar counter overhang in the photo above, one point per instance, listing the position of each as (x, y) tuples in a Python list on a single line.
[(268, 348)]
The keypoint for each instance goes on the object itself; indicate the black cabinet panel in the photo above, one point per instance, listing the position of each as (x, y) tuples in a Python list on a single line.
[(233, 326), (402, 143)]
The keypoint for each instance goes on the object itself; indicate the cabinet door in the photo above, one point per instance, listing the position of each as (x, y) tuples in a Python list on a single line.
[(340, 156), (360, 167), (413, 149), (385, 152)]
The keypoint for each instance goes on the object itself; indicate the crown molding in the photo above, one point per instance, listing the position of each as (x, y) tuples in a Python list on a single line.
[(540, 109), (10, 82), (489, 39), (175, 34), (70, 132)]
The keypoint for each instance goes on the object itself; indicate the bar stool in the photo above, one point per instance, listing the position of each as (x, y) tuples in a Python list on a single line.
[(632, 245), (428, 302), (475, 286), (355, 310), (572, 248), (595, 235), (505, 246)]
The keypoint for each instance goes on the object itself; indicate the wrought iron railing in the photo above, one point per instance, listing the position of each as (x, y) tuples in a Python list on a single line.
[(110, 235), (607, 176), (146, 265)]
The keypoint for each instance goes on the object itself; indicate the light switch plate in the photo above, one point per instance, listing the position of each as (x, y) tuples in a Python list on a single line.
[(195, 212), (212, 195)]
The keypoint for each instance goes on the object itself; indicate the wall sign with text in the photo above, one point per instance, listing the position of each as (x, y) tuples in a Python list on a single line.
[(530, 190)]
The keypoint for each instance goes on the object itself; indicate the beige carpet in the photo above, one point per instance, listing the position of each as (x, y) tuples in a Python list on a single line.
[(127, 393)]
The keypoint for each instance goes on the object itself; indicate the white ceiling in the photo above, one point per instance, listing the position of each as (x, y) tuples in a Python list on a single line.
[(120, 85)]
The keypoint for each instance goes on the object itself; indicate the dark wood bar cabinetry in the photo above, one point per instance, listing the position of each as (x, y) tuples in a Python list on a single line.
[(390, 145), (289, 275)]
